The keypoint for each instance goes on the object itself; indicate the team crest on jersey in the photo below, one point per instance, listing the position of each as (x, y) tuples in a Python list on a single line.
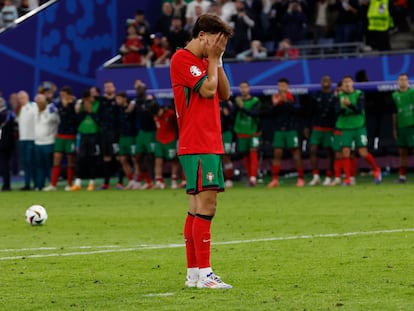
[(210, 176), (195, 71)]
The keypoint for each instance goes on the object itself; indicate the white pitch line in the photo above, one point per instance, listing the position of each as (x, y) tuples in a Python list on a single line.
[(115, 249)]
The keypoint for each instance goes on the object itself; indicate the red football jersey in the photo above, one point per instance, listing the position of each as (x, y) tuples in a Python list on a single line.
[(198, 118), (166, 127)]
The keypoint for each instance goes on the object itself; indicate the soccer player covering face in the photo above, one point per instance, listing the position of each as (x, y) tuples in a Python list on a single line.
[(351, 123), (403, 123), (199, 82)]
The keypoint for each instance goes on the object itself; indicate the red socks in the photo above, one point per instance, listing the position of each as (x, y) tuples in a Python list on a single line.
[(338, 163), (201, 238), (197, 234), (70, 172), (246, 162), (347, 168), (189, 243), (403, 171), (275, 171), (55, 175), (370, 159), (254, 163)]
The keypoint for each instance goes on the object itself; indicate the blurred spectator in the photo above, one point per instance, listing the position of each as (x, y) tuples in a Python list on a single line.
[(227, 10), (95, 91), (286, 51), (193, 11), (294, 22), (26, 121), (177, 36), (257, 51), (242, 24), (198, 11), (8, 13), (133, 49), (323, 20), (400, 15), (14, 103), (164, 21), (179, 9), (379, 23), (23, 8), (347, 20), (46, 125), (159, 53), (277, 10), (254, 9), (143, 26), (7, 143)]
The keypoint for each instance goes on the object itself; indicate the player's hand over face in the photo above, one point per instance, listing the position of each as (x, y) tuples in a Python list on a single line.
[(215, 45)]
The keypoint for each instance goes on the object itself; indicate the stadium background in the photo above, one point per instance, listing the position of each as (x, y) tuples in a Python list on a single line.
[(69, 42)]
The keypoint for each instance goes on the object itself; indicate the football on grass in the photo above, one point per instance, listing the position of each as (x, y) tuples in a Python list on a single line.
[(36, 215)]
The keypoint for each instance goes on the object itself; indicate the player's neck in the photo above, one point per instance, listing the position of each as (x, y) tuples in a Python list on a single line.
[(194, 47)]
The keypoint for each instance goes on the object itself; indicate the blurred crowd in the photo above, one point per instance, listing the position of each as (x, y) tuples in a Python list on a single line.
[(267, 28), (10, 10)]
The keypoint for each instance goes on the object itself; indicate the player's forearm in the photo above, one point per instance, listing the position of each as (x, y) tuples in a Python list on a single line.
[(210, 85), (223, 85)]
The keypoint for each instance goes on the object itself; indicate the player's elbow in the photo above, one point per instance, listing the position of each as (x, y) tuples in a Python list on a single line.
[(208, 93)]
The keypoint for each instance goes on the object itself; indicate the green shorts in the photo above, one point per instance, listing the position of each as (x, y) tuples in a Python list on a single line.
[(166, 151), (65, 145), (245, 144), (228, 143), (285, 139), (405, 137), (203, 172), (126, 145), (336, 141), (145, 142), (321, 138), (354, 138)]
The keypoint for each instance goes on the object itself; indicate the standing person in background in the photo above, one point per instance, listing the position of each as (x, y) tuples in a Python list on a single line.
[(227, 124), (284, 114), (246, 127), (145, 144), (165, 144), (7, 143), (87, 109), (65, 142), (403, 123), (46, 125), (26, 120), (199, 82), (351, 122), (322, 122), (108, 111), (127, 134)]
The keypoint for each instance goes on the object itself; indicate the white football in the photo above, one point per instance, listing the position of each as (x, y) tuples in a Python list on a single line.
[(36, 215)]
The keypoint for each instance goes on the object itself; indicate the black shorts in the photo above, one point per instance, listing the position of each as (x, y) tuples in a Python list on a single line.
[(89, 145), (108, 143)]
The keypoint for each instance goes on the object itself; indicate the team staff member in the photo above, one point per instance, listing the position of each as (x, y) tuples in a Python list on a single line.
[(199, 82), (351, 123), (227, 120), (403, 122), (246, 127)]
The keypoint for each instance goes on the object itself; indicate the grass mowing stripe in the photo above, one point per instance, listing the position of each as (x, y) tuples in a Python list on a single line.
[(168, 246)]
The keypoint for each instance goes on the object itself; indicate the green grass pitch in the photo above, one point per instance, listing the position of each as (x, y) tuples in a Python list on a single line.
[(321, 248)]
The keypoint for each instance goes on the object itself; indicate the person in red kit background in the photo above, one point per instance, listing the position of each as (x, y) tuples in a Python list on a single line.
[(165, 145), (199, 82)]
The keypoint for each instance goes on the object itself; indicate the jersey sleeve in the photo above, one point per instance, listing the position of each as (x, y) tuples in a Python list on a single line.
[(188, 71)]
